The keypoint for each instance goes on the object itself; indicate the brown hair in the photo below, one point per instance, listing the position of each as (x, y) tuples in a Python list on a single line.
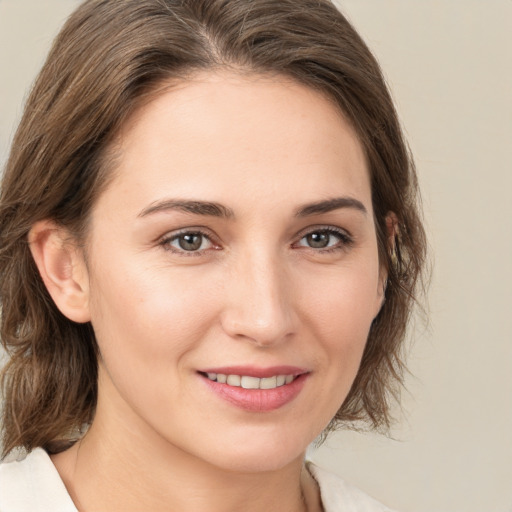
[(109, 55)]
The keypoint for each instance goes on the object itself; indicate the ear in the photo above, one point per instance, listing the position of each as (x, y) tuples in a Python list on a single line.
[(392, 232), (62, 268)]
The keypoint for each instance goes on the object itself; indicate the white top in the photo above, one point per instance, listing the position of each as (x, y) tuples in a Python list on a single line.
[(34, 485)]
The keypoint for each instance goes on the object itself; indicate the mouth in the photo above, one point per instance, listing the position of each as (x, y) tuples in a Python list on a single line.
[(256, 390), (250, 382)]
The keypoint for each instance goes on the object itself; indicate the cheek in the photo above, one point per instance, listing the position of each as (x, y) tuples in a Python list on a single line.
[(145, 315), (149, 325), (338, 309), (343, 303)]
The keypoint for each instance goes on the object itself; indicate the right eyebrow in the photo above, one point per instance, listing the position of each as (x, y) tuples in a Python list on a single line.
[(329, 205), (196, 207)]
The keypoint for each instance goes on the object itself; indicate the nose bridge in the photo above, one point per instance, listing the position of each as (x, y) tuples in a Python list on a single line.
[(260, 305)]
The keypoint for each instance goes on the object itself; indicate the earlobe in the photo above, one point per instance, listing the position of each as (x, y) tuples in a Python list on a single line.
[(392, 230), (381, 289), (62, 269)]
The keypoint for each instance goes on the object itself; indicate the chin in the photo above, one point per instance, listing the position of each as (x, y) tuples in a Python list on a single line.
[(256, 452), (263, 462)]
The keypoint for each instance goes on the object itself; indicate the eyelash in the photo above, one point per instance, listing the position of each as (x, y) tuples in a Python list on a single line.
[(345, 240), (165, 242)]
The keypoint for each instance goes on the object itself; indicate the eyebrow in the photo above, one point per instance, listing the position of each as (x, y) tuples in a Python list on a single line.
[(329, 205), (218, 210), (195, 207)]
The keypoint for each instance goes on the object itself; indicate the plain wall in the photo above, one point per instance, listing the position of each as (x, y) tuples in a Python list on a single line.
[(449, 64)]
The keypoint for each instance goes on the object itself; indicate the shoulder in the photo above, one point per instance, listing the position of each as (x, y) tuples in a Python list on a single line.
[(33, 484), (340, 496)]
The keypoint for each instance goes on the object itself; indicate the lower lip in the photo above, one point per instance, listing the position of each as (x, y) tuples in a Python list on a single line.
[(258, 400)]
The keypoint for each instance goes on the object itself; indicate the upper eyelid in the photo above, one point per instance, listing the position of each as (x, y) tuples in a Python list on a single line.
[(171, 235), (165, 242), (206, 232), (346, 240), (323, 227)]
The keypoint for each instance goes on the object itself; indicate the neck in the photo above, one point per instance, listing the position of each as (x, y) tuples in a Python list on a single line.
[(102, 480), (135, 470)]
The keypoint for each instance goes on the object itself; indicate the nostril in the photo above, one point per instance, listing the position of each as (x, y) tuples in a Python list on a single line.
[(259, 310)]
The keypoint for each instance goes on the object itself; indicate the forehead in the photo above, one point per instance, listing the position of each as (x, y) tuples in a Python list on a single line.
[(255, 134)]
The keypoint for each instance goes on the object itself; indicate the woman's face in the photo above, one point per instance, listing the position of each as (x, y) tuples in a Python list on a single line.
[(235, 243)]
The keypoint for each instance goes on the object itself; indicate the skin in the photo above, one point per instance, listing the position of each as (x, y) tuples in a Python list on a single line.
[(255, 293)]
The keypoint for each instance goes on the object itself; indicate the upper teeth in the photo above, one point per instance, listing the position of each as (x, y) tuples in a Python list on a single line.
[(247, 382)]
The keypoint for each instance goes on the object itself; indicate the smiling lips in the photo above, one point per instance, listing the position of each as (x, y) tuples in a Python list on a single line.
[(249, 382), (256, 390)]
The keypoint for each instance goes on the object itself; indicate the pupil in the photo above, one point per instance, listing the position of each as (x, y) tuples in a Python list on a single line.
[(318, 240), (190, 242)]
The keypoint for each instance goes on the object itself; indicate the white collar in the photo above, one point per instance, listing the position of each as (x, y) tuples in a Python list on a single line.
[(35, 484)]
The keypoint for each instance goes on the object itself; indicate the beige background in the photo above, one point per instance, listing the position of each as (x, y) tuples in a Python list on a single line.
[(449, 63)]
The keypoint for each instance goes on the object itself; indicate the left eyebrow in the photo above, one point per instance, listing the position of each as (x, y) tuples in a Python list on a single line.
[(329, 205), (194, 207)]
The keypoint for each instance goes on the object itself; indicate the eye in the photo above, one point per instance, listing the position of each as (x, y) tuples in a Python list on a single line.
[(188, 242), (330, 239)]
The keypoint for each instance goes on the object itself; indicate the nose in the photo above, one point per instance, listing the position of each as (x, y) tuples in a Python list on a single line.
[(258, 305)]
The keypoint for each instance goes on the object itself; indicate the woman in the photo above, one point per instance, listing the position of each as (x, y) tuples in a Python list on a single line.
[(223, 248)]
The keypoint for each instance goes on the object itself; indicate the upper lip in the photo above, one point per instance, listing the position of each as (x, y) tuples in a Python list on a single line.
[(255, 371)]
